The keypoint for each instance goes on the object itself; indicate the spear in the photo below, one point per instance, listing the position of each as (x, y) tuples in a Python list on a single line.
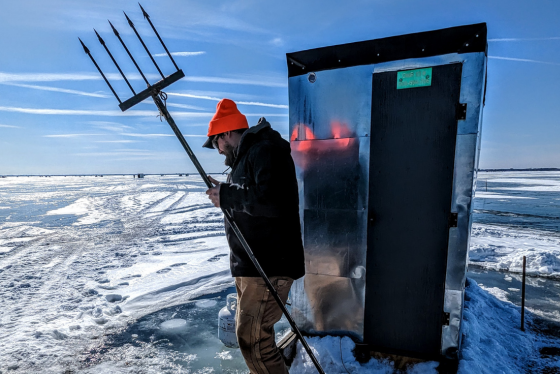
[(155, 92), (144, 45), (86, 50), (129, 54), (115, 62), (147, 17)]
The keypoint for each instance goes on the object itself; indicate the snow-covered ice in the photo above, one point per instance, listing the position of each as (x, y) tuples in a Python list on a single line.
[(493, 343), (173, 326), (82, 257), (517, 214), (96, 272)]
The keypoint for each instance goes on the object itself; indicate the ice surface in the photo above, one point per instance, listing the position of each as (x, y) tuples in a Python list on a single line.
[(173, 326), (82, 257), (493, 343), (502, 248), (206, 303), (91, 267), (517, 214)]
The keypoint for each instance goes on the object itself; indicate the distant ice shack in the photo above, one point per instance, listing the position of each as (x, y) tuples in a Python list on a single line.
[(385, 135)]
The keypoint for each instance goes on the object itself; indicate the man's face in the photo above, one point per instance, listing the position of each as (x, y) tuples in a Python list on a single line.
[(224, 147)]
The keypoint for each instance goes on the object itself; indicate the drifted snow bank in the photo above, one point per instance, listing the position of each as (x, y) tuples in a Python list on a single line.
[(502, 249), (335, 356), (493, 344), (493, 340)]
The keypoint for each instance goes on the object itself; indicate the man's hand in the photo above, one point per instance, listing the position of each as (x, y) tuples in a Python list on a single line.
[(214, 192)]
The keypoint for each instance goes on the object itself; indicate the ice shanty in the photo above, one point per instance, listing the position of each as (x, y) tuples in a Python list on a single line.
[(386, 136)]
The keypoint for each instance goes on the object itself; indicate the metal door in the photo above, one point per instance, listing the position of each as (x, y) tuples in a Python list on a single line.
[(413, 140)]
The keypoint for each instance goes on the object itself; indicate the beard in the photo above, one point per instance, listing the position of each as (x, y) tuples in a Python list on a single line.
[(229, 153)]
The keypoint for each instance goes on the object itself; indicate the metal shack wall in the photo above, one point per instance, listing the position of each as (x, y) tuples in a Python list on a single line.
[(330, 122), (329, 133)]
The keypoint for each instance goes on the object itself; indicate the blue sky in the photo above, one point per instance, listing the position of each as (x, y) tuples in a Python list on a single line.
[(58, 117)]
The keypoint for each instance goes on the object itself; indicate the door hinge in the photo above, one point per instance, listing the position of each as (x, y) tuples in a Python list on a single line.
[(453, 219), (445, 319), (461, 111)]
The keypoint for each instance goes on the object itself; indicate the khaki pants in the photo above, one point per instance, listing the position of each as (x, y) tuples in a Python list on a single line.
[(257, 312)]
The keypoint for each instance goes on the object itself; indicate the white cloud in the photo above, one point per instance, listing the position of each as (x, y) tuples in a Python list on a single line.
[(69, 135), (134, 135), (218, 99), (161, 135), (180, 54), (265, 81), (278, 42), (146, 135), (264, 115), (110, 113), (184, 106), (221, 94), (9, 126), (56, 89), (194, 96), (75, 112), (523, 60), (117, 153), (119, 141), (244, 81), (110, 126), (523, 39), (53, 77), (40, 77), (262, 104)]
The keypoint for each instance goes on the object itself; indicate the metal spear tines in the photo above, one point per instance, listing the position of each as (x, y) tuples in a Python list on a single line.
[(147, 17), (86, 50), (152, 89), (129, 54), (144, 45), (115, 62)]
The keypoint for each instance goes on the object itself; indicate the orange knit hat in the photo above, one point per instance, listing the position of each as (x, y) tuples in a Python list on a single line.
[(226, 118)]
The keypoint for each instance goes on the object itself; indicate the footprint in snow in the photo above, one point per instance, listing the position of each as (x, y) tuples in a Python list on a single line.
[(109, 288), (164, 270), (179, 264), (131, 276), (113, 297), (216, 258)]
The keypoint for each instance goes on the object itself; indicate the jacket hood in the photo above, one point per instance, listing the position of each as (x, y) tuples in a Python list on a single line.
[(260, 132)]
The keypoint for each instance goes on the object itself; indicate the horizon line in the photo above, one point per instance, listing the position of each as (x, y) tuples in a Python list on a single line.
[(195, 173)]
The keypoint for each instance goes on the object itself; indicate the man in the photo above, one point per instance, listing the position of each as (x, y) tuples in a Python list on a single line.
[(261, 193)]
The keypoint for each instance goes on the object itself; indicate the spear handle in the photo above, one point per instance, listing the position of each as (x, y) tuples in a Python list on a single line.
[(231, 222)]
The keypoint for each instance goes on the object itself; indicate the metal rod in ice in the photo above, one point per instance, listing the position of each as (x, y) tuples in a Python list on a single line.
[(523, 295), (129, 54), (147, 16), (144, 45), (86, 50), (115, 62)]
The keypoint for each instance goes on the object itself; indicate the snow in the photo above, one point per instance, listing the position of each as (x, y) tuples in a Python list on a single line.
[(493, 343), (502, 248), (173, 326), (83, 257), (94, 271), (507, 227)]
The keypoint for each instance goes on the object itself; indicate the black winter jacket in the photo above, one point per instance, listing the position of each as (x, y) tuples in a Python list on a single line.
[(262, 194)]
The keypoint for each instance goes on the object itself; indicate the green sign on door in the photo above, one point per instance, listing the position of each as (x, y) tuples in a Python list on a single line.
[(414, 78)]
